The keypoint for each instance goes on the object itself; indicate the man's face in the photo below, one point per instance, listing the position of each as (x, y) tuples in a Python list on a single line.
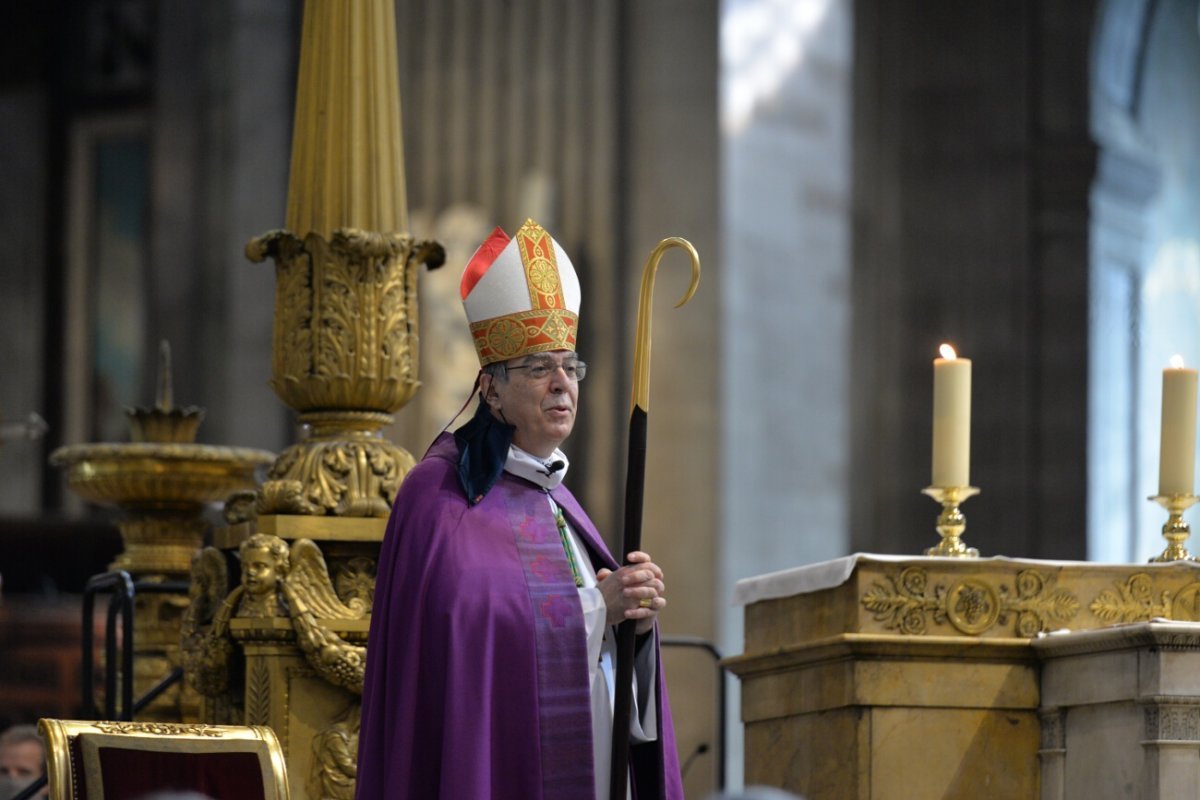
[(20, 765), (542, 410)]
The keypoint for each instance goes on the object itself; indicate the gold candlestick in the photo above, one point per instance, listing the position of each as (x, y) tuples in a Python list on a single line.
[(1175, 531), (951, 522)]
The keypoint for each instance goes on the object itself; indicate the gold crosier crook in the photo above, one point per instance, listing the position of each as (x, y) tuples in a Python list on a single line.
[(635, 484), (641, 348)]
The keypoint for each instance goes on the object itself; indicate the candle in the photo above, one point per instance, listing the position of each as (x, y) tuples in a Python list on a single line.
[(1177, 447), (951, 419)]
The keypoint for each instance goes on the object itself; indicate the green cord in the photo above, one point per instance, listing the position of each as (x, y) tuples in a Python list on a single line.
[(562, 532)]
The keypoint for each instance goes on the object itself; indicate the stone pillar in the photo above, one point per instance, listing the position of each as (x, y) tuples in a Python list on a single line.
[(1052, 756), (1172, 748)]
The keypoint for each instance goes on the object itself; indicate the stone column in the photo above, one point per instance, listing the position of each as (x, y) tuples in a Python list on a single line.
[(1052, 755), (1171, 766)]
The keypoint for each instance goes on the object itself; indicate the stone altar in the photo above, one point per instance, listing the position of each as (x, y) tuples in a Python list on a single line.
[(896, 677)]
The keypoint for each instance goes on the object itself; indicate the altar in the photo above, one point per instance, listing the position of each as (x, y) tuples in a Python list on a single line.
[(899, 677)]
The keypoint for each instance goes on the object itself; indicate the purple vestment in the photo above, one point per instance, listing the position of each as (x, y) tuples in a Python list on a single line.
[(477, 682)]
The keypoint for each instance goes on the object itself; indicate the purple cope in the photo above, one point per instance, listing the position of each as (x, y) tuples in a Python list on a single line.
[(476, 679)]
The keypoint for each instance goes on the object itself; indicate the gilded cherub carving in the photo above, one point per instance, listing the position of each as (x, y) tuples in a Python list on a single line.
[(265, 564), (277, 580)]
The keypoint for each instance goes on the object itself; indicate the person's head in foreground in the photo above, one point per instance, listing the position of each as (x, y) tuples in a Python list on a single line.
[(22, 760)]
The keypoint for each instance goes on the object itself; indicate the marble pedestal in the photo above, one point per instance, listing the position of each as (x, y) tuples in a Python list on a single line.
[(1120, 712), (879, 677)]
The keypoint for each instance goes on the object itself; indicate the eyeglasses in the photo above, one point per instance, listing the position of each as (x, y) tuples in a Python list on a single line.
[(541, 368)]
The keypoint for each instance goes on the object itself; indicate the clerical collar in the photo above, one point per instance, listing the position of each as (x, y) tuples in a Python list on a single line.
[(547, 473)]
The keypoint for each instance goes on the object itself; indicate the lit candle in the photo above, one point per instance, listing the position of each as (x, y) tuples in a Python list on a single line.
[(1177, 447), (951, 419)]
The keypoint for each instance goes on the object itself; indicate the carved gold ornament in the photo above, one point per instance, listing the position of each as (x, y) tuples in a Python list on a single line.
[(344, 356), (343, 467), (335, 759), (345, 317), (972, 606), (265, 564), (903, 604), (311, 600), (276, 580), (206, 651), (158, 477), (159, 729), (258, 695), (241, 506), (355, 580), (1136, 600)]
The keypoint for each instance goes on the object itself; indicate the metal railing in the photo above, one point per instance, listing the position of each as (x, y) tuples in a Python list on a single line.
[(124, 591), (722, 710)]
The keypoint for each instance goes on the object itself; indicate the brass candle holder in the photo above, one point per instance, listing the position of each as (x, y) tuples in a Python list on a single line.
[(1175, 530), (951, 522)]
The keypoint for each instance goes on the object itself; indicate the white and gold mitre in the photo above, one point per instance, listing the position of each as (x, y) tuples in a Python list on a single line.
[(521, 295)]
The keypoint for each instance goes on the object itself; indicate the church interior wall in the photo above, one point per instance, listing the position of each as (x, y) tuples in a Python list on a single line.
[(221, 122), (22, 293)]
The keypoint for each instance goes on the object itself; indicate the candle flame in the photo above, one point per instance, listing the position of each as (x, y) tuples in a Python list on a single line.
[(1177, 361), (947, 352)]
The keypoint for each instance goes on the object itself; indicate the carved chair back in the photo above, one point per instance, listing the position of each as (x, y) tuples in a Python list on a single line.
[(129, 760)]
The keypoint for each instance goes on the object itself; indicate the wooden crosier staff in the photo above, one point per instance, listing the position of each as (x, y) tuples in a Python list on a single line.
[(635, 484)]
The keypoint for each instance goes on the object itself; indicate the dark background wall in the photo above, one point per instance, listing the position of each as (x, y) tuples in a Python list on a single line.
[(973, 164)]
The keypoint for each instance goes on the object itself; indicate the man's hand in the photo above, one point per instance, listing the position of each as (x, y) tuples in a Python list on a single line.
[(635, 591)]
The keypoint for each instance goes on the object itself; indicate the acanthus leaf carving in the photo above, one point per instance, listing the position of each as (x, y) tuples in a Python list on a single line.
[(359, 477)]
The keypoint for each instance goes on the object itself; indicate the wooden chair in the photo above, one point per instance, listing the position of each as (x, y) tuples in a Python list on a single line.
[(128, 760)]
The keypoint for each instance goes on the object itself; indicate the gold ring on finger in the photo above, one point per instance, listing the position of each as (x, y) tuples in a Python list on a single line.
[(646, 602)]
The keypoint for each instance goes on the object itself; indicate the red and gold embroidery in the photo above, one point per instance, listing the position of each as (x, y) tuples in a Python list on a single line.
[(541, 266), (512, 335)]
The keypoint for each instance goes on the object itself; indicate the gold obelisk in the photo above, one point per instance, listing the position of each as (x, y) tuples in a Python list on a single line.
[(345, 338), (286, 645)]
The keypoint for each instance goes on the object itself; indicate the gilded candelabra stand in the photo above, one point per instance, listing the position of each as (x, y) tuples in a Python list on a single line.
[(1175, 530), (161, 481), (951, 522)]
